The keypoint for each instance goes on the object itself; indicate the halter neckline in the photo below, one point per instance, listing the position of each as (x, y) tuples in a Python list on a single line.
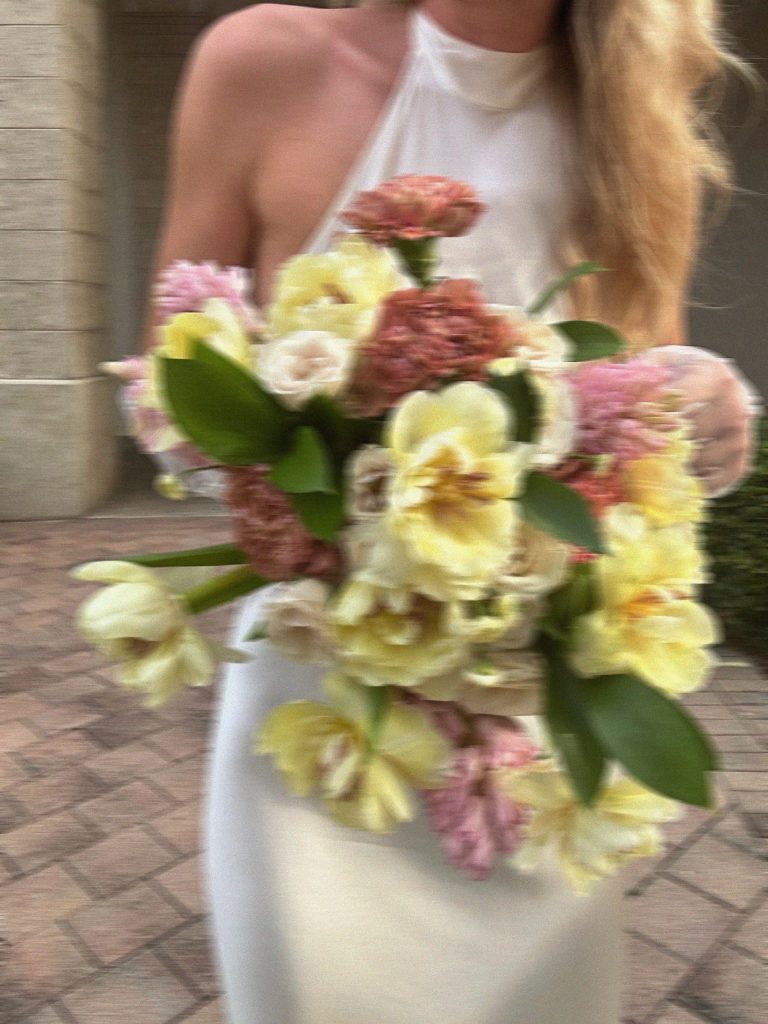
[(492, 79)]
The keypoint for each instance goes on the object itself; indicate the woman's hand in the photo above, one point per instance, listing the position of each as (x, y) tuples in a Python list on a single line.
[(721, 406)]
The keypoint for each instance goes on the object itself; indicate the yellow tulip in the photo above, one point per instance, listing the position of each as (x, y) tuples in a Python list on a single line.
[(393, 636), (455, 473), (139, 622), (377, 556), (364, 778), (649, 623), (337, 291), (217, 325), (591, 843), (663, 487)]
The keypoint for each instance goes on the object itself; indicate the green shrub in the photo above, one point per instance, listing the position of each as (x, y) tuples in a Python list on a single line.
[(738, 543)]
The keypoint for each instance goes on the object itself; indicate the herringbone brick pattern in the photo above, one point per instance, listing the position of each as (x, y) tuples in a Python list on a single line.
[(104, 920)]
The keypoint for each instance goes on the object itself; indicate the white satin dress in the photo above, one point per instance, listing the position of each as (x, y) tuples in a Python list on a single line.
[(316, 924)]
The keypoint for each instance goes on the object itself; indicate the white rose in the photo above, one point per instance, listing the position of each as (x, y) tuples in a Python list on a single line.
[(559, 418), (304, 364), (539, 341), (296, 620)]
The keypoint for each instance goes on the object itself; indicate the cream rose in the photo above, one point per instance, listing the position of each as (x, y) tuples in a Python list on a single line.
[(296, 620), (304, 364), (507, 683), (538, 565), (370, 474)]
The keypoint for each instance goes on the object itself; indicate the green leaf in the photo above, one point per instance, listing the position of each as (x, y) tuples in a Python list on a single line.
[(223, 410), (523, 399), (219, 554), (551, 292), (306, 467), (569, 727), (652, 736), (223, 589), (557, 509), (338, 431), (239, 377), (591, 340), (322, 514)]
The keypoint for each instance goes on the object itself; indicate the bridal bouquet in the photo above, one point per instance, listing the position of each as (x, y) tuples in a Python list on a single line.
[(472, 517)]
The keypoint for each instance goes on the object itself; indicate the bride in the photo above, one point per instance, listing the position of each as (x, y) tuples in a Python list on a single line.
[(578, 122)]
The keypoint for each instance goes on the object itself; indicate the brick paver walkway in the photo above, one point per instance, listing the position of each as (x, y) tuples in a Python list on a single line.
[(99, 800)]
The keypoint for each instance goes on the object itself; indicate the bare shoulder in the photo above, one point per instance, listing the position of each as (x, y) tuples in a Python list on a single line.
[(266, 38), (270, 45)]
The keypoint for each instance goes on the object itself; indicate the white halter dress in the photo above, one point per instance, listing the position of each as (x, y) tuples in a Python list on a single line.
[(317, 924)]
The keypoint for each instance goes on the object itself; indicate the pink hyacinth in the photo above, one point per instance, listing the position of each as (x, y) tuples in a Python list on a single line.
[(475, 818), (626, 410), (425, 336), (413, 207), (150, 425), (270, 532), (185, 287)]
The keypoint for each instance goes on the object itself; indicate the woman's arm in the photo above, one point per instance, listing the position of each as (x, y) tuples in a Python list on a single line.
[(207, 214)]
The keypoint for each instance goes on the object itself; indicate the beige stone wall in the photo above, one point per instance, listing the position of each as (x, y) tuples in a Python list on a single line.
[(147, 50), (85, 93), (56, 420)]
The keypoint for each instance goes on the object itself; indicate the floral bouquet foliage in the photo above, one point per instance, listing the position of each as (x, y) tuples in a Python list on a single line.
[(472, 517)]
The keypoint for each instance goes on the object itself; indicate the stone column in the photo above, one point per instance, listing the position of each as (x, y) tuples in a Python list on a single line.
[(57, 444)]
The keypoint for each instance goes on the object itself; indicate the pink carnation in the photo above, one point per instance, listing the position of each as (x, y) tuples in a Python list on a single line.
[(414, 206), (626, 410), (270, 532), (475, 818), (425, 336), (185, 287)]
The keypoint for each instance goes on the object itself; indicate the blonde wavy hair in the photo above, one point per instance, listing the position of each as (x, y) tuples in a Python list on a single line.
[(648, 76)]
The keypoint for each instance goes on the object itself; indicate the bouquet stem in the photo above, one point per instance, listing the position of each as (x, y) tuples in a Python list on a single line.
[(218, 554), (223, 589), (420, 257)]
